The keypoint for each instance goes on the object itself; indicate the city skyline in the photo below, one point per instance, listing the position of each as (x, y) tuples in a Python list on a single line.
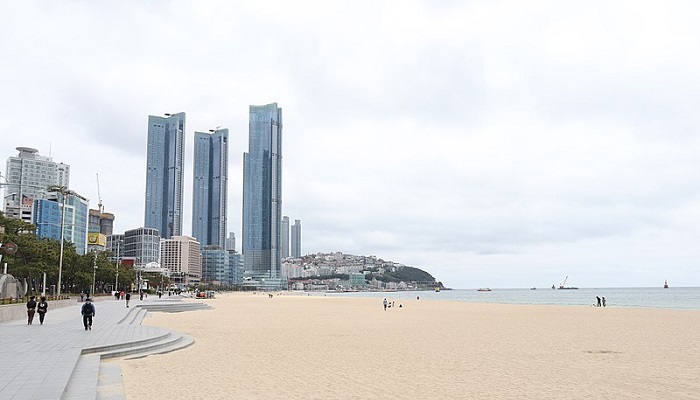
[(493, 144)]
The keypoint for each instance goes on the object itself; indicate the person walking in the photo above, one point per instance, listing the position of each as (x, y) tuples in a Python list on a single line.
[(385, 303), (598, 301), (88, 311), (42, 308), (128, 297), (603, 301), (31, 309)]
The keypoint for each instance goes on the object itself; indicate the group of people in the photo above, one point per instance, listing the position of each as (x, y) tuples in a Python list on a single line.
[(600, 301), (33, 307), (389, 304)]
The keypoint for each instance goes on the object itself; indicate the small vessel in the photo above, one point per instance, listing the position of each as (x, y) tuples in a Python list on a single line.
[(533, 288), (437, 288), (483, 290), (665, 283), (553, 287)]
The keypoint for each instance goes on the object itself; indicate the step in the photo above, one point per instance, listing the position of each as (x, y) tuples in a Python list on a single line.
[(171, 340)]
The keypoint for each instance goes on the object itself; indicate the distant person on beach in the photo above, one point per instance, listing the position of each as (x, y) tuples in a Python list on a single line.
[(598, 301), (385, 303), (87, 311), (31, 309), (42, 308), (603, 301), (128, 297)]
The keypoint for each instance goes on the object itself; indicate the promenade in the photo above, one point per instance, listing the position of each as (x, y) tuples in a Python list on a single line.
[(61, 360)]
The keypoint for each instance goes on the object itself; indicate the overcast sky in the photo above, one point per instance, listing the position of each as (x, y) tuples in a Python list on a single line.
[(491, 143)]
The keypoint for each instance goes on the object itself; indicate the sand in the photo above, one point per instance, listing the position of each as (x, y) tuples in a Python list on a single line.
[(297, 347)]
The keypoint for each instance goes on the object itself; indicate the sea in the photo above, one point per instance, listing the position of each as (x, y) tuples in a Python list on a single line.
[(680, 298)]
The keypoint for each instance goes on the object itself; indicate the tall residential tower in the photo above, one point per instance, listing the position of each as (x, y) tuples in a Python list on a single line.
[(164, 174), (295, 247), (262, 192), (209, 194)]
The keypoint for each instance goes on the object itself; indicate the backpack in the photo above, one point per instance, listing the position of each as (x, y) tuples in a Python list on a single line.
[(87, 309)]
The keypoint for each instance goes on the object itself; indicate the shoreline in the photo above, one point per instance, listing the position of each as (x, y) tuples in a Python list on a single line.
[(290, 346)]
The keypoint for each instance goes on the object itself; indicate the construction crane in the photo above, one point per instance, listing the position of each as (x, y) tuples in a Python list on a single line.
[(100, 207)]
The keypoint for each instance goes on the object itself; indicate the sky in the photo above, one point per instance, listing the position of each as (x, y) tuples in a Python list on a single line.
[(502, 144)]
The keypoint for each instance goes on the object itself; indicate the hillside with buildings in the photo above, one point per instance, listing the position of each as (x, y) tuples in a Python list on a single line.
[(348, 272)]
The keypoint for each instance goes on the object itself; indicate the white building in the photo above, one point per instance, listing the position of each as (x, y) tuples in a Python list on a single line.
[(29, 175), (181, 255)]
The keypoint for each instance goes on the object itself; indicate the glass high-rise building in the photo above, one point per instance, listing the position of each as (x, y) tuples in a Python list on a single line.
[(262, 192), (296, 239), (284, 238), (210, 188), (164, 174), (49, 216)]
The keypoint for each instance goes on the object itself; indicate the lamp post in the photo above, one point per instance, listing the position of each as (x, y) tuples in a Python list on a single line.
[(64, 191), (94, 272), (116, 280)]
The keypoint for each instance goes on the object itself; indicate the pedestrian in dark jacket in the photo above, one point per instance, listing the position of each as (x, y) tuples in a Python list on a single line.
[(31, 309), (42, 308), (87, 311), (128, 297)]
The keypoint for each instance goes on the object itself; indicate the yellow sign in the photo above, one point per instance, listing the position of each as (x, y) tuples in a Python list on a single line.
[(97, 239)]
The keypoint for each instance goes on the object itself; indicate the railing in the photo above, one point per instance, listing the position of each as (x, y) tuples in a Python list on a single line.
[(25, 299)]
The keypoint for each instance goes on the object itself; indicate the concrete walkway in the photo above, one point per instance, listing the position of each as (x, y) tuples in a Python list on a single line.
[(61, 360)]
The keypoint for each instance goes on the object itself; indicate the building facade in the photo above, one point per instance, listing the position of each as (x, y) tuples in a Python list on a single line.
[(49, 216), (164, 174), (284, 237), (181, 256), (262, 192), (296, 239), (140, 244), (101, 222), (29, 176), (210, 187), (215, 265), (230, 242)]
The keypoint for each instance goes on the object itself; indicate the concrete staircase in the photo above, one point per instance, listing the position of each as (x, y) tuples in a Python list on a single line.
[(93, 379)]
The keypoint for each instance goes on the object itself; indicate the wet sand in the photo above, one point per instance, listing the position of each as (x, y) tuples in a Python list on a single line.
[(297, 347)]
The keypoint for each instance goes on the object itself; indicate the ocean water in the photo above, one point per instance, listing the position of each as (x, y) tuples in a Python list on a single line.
[(671, 298)]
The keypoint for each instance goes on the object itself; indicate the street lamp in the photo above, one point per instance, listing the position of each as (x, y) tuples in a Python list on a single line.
[(64, 191), (116, 280), (94, 272)]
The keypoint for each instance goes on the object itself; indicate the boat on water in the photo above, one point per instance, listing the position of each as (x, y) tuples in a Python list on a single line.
[(483, 290), (533, 288), (437, 288), (665, 283), (563, 286)]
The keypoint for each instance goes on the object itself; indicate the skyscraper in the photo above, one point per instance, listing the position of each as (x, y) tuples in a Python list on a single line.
[(165, 158), (210, 188), (284, 238), (49, 216), (262, 192), (296, 239)]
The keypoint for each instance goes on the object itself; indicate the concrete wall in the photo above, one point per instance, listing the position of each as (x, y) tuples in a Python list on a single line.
[(10, 312)]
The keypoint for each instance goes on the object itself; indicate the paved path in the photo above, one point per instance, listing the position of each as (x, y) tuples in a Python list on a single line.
[(61, 360)]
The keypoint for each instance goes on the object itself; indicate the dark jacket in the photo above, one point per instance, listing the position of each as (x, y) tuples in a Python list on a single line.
[(42, 307), (87, 309), (31, 305)]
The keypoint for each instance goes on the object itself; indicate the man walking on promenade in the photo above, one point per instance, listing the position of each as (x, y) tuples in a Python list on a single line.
[(128, 297), (31, 309), (88, 311), (385, 303)]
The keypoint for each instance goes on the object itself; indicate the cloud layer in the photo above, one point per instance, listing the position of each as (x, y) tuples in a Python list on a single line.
[(501, 144)]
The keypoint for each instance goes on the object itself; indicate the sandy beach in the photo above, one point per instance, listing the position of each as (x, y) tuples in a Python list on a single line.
[(292, 346)]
